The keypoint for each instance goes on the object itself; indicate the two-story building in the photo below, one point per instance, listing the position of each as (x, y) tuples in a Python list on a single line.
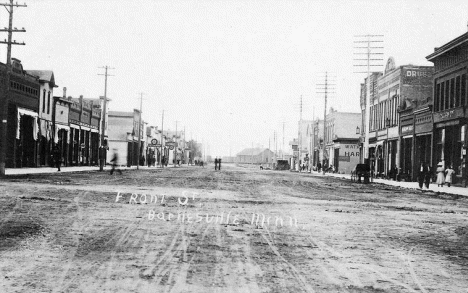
[(46, 100), (450, 103), (22, 116), (341, 141), (123, 130)]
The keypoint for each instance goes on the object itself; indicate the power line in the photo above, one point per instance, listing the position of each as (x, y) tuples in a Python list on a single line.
[(371, 52)]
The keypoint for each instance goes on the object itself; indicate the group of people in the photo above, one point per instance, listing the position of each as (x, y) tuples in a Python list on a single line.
[(444, 176), (217, 163)]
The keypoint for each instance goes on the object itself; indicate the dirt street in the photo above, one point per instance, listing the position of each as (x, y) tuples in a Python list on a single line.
[(194, 229)]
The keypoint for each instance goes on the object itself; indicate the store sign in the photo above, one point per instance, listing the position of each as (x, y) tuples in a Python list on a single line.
[(407, 129), (448, 115), (417, 76), (344, 158)]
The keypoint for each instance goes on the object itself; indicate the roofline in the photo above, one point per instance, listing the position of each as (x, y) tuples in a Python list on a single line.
[(448, 46)]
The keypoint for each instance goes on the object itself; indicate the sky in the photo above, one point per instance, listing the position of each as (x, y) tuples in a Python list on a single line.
[(230, 72)]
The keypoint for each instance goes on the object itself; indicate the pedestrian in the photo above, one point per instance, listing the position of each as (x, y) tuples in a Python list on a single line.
[(219, 164), (427, 178), (216, 163), (319, 167), (440, 175), (115, 163), (424, 175), (57, 154), (449, 175)]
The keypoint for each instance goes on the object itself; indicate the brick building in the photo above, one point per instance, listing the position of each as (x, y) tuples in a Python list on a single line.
[(22, 116), (450, 101)]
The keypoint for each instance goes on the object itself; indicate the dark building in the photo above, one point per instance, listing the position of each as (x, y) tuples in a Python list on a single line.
[(84, 123), (22, 117), (450, 102)]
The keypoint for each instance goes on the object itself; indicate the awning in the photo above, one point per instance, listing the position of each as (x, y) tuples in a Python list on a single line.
[(85, 128), (74, 126), (22, 111), (94, 130), (61, 126)]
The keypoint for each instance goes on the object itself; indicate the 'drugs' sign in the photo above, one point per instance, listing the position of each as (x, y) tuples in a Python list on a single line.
[(417, 76)]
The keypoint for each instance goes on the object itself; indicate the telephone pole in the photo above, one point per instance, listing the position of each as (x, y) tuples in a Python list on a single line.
[(371, 55), (162, 144), (5, 97), (325, 89), (175, 145), (139, 131), (103, 148)]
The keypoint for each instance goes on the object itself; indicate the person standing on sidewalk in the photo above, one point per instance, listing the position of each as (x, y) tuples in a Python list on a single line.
[(449, 175), (216, 163), (424, 175), (440, 175), (57, 157), (219, 164)]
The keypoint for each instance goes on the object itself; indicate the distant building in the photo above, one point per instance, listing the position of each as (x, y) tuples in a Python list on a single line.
[(341, 141), (84, 123), (123, 137), (255, 156)]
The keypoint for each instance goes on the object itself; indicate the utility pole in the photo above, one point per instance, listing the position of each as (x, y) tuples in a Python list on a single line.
[(371, 55), (282, 153), (176, 145), (5, 97), (325, 89), (139, 131), (299, 153), (103, 149), (162, 140)]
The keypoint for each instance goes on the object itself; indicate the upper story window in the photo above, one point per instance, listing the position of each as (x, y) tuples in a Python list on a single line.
[(48, 103), (43, 101)]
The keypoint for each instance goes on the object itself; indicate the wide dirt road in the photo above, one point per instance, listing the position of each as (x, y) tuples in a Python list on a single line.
[(237, 230)]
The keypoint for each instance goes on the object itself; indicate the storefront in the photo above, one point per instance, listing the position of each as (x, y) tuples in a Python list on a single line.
[(423, 139), (449, 135)]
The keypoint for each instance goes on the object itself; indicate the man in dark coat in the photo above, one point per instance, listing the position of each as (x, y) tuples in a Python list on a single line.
[(219, 164), (57, 154), (216, 163), (424, 175)]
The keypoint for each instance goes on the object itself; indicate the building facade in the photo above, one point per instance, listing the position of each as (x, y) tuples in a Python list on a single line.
[(22, 117), (450, 104), (46, 100), (395, 90), (341, 141), (123, 130), (255, 156)]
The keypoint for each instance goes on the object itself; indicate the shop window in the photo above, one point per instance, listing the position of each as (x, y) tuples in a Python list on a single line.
[(43, 101), (452, 93), (447, 95), (463, 89), (48, 103)]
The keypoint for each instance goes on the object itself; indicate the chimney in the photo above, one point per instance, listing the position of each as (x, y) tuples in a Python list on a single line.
[(64, 92)]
